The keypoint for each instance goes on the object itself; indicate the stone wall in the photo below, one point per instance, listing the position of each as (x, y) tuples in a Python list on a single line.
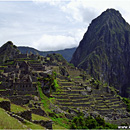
[(47, 124), (39, 111), (19, 100), (74, 72), (5, 105), (27, 92), (17, 117), (26, 115), (6, 92), (24, 86), (7, 70)]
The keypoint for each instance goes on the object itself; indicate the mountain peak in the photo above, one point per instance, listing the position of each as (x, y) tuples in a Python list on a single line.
[(8, 51), (112, 11), (109, 16), (104, 50)]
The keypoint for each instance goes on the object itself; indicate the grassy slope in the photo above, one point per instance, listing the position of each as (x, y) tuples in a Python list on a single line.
[(8, 122), (60, 121)]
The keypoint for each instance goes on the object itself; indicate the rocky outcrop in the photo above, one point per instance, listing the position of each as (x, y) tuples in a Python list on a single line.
[(104, 50), (8, 51)]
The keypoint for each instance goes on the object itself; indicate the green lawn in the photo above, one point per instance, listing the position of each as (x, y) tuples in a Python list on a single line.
[(37, 117), (17, 108)]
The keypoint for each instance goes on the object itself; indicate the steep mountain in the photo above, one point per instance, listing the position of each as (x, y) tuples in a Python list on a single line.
[(8, 51), (104, 51), (66, 53)]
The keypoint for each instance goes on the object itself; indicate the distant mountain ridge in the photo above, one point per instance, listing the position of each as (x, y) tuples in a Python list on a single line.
[(104, 51), (66, 53)]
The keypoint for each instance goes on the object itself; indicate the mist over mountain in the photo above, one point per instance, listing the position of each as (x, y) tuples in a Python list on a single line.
[(66, 53), (104, 51)]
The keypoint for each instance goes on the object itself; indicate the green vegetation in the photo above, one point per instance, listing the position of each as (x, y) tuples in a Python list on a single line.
[(8, 122), (61, 120), (79, 122), (127, 102), (1, 71), (30, 125), (9, 63), (17, 108), (44, 99), (55, 126), (38, 117), (56, 86), (2, 99)]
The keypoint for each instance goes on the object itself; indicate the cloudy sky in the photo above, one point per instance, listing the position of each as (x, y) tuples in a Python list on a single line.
[(52, 24)]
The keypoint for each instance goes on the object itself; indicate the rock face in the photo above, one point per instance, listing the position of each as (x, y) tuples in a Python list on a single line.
[(104, 51), (8, 51)]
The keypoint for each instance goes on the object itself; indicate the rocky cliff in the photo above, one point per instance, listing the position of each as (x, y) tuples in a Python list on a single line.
[(104, 51)]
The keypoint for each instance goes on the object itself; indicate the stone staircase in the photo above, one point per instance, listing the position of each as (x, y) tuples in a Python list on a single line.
[(71, 97)]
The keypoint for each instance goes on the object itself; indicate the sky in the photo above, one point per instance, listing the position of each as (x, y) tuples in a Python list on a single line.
[(52, 24)]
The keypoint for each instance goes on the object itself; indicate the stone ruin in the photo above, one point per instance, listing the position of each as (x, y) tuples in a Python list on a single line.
[(19, 76)]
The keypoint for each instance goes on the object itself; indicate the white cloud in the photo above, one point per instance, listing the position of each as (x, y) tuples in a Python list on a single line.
[(52, 24), (54, 42), (78, 10), (86, 10), (58, 42)]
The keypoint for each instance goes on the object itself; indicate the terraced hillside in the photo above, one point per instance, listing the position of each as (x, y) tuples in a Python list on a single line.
[(49, 92), (90, 97)]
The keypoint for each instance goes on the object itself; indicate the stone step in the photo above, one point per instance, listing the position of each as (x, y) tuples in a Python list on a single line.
[(99, 99), (75, 105), (73, 91), (74, 101), (99, 104), (112, 99), (73, 88), (116, 103), (68, 94), (108, 95), (102, 107), (61, 80), (116, 107), (104, 111), (60, 77), (75, 97), (66, 84), (61, 97), (27, 92)]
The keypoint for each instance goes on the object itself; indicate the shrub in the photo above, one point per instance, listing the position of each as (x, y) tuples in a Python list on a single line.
[(79, 122), (127, 102)]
